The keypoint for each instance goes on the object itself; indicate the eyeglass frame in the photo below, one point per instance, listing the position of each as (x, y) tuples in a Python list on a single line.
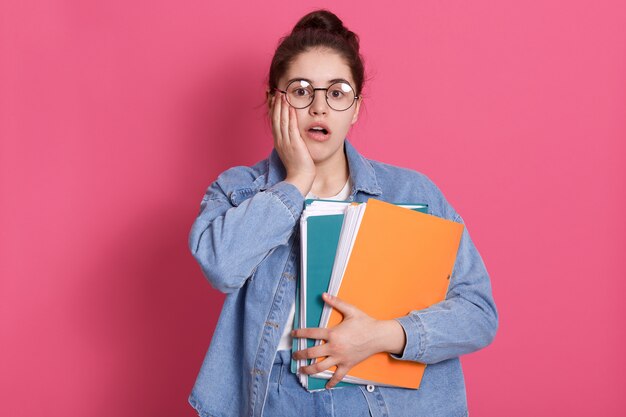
[(356, 97)]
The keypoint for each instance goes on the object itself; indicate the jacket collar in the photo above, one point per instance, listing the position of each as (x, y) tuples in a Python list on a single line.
[(361, 171)]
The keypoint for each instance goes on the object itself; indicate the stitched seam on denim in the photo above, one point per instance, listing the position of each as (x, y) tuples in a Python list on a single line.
[(198, 407), (259, 181), (368, 399), (268, 166), (422, 334), (372, 171), (264, 341), (280, 374), (382, 403), (208, 223), (284, 201)]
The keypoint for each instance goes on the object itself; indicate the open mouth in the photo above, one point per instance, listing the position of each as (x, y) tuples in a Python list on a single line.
[(318, 130)]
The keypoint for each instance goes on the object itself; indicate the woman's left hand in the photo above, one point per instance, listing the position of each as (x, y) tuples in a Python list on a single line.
[(355, 339)]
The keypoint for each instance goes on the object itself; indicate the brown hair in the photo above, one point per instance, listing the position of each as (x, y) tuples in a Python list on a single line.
[(318, 29)]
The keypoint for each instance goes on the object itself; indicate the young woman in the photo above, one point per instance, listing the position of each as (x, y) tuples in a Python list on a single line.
[(245, 239)]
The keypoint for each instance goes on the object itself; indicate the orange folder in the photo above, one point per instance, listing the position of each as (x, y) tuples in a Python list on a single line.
[(402, 260)]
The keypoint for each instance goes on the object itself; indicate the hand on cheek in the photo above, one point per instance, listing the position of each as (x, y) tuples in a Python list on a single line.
[(290, 146)]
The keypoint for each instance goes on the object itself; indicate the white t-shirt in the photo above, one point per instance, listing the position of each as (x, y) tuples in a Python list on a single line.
[(286, 339)]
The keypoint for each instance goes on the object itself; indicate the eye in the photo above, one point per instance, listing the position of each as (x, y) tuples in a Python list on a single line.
[(300, 92), (340, 91), (300, 89)]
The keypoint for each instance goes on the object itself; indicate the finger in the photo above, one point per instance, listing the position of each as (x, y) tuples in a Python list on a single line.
[(341, 372), (276, 118), (311, 333), (284, 120), (310, 353), (344, 307), (294, 130), (318, 366)]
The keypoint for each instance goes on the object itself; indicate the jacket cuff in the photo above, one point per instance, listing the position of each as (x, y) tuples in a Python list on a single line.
[(414, 331), (290, 196)]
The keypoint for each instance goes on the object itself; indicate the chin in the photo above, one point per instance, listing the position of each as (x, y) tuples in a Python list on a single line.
[(318, 157)]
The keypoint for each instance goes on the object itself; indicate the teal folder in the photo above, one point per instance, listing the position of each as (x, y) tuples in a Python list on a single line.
[(322, 240)]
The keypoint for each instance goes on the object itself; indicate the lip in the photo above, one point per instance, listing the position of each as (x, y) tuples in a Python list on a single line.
[(319, 137)]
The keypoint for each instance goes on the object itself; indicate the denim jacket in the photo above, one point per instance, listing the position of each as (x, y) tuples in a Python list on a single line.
[(246, 241)]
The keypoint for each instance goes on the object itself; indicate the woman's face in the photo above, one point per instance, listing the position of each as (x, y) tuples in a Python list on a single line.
[(321, 68)]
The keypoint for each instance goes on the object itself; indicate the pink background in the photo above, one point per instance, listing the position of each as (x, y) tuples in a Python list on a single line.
[(115, 116)]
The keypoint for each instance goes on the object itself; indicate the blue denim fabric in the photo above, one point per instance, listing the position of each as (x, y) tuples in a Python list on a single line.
[(287, 398), (246, 241)]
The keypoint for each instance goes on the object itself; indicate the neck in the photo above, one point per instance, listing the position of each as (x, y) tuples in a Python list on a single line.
[(330, 176)]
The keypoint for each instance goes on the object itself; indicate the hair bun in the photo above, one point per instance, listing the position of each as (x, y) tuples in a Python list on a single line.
[(318, 29), (326, 21), (321, 20)]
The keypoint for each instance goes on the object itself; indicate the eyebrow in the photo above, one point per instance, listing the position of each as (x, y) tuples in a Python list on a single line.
[(334, 80)]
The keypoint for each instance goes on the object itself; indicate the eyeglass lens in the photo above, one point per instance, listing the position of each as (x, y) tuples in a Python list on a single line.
[(339, 96)]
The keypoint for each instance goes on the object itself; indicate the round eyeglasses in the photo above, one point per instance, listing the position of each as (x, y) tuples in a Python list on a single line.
[(340, 95)]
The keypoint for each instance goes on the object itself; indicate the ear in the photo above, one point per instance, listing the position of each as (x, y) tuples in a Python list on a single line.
[(355, 116)]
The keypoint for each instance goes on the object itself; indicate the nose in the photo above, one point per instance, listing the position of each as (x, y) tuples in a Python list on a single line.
[(319, 104)]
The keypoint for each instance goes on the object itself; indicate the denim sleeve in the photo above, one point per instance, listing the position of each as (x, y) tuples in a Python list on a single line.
[(464, 322), (230, 242)]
